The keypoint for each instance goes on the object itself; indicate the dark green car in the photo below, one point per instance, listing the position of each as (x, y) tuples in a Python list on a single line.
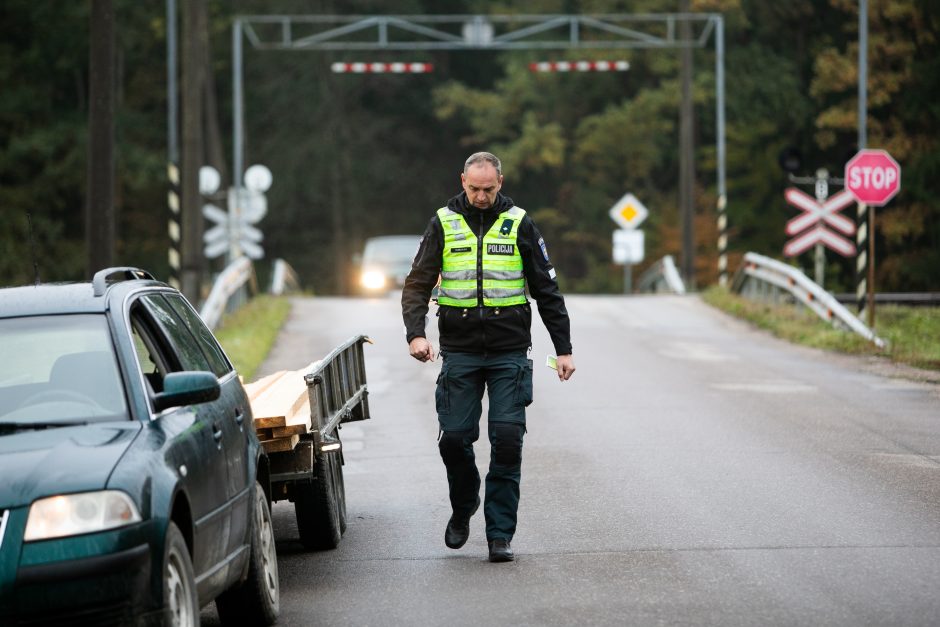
[(133, 489)]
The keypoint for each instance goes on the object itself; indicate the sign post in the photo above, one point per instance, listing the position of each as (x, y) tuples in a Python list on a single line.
[(873, 177), (629, 213)]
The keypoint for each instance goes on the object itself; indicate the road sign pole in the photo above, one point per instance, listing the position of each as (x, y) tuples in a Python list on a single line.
[(628, 278), (874, 178), (820, 264), (871, 268), (822, 193)]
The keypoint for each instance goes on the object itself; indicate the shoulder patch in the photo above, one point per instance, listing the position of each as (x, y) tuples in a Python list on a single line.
[(544, 249)]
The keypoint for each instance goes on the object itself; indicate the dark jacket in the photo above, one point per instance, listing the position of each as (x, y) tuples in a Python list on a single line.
[(486, 329)]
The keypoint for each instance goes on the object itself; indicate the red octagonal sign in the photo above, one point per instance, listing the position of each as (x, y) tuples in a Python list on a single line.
[(873, 177)]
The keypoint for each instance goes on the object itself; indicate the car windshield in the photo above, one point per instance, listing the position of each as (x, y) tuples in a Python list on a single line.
[(58, 369), (391, 250)]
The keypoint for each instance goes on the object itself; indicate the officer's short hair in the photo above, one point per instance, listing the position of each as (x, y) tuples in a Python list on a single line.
[(483, 157)]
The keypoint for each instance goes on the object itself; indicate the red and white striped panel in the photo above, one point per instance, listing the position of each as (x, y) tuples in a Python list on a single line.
[(580, 66), (382, 68)]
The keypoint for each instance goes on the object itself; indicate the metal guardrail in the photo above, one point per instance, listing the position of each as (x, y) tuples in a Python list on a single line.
[(761, 277), (229, 282), (283, 278), (662, 276), (336, 386), (227, 289)]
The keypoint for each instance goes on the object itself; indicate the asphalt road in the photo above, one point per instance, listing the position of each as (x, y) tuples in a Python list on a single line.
[(693, 472)]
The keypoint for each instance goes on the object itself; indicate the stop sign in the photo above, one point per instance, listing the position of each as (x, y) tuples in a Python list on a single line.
[(873, 177)]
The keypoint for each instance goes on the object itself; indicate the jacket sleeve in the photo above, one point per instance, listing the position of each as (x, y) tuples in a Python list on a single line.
[(543, 286), (425, 270)]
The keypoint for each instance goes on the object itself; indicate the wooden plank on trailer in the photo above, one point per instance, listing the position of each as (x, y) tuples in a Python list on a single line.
[(256, 388), (280, 444), (282, 399), (265, 433), (289, 430)]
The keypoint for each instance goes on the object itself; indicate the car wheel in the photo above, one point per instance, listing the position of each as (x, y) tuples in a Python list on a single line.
[(320, 506), (181, 601), (256, 600)]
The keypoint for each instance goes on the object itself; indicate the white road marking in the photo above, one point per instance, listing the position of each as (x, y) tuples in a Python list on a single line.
[(766, 387)]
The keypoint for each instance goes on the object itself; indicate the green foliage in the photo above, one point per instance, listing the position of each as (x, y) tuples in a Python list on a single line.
[(360, 155), (248, 334)]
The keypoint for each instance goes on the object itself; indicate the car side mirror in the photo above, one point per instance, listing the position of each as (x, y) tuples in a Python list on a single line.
[(187, 388)]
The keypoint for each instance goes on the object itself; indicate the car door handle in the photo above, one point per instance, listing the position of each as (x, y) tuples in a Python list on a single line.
[(216, 432)]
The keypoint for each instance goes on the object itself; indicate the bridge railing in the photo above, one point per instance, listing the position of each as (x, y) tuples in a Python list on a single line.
[(283, 278), (763, 278), (662, 276), (228, 291)]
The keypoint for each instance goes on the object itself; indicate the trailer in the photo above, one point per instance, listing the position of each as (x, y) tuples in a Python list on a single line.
[(298, 415)]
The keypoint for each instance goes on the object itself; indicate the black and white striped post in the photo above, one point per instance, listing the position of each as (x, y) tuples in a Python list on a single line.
[(722, 241), (173, 226), (173, 156), (862, 261)]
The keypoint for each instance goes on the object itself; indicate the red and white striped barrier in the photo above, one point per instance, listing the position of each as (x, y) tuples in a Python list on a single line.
[(382, 68), (580, 66)]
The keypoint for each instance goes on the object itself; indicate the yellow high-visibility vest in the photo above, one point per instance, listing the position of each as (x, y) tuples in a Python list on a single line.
[(502, 282)]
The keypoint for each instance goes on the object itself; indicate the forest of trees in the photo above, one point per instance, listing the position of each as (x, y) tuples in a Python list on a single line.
[(360, 155)]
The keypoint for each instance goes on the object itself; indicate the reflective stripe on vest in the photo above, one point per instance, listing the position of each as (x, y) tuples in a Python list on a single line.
[(502, 282)]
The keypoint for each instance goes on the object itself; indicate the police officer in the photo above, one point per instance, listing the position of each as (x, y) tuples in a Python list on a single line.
[(486, 251)]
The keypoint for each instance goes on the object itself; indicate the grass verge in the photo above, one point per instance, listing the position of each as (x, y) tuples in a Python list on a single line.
[(912, 333), (248, 334)]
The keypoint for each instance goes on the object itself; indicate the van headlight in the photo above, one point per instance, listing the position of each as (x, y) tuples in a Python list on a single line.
[(74, 514), (373, 280)]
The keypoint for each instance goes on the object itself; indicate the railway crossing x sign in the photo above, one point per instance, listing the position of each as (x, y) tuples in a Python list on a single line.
[(816, 217)]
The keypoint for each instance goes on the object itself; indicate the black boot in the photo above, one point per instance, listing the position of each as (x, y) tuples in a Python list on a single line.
[(458, 529), (500, 551)]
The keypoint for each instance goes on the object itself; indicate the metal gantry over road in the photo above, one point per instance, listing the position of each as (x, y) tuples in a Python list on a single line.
[(487, 32)]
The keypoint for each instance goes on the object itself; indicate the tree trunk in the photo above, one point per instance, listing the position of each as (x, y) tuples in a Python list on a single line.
[(99, 212)]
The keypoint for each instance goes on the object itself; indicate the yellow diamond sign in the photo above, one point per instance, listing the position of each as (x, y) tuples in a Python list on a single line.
[(628, 212)]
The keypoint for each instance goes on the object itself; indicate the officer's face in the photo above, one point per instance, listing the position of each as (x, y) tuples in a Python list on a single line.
[(481, 182)]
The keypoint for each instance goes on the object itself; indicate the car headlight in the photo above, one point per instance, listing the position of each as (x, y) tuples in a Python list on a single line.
[(73, 514), (373, 280)]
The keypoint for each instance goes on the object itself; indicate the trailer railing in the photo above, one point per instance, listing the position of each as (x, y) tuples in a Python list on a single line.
[(336, 386), (763, 278)]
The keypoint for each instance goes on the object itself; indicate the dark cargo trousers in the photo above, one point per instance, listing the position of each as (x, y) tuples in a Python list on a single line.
[(508, 379)]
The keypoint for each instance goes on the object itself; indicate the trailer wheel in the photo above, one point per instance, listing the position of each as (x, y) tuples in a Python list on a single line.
[(320, 506)]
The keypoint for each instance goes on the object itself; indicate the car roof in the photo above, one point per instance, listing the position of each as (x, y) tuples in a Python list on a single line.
[(71, 298)]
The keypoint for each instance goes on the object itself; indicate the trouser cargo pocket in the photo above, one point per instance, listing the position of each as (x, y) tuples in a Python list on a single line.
[(441, 395), (523, 394)]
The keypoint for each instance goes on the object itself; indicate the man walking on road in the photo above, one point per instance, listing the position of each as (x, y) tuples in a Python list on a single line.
[(486, 252)]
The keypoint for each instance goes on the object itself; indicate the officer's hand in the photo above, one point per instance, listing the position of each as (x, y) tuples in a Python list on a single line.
[(421, 349), (565, 367)]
